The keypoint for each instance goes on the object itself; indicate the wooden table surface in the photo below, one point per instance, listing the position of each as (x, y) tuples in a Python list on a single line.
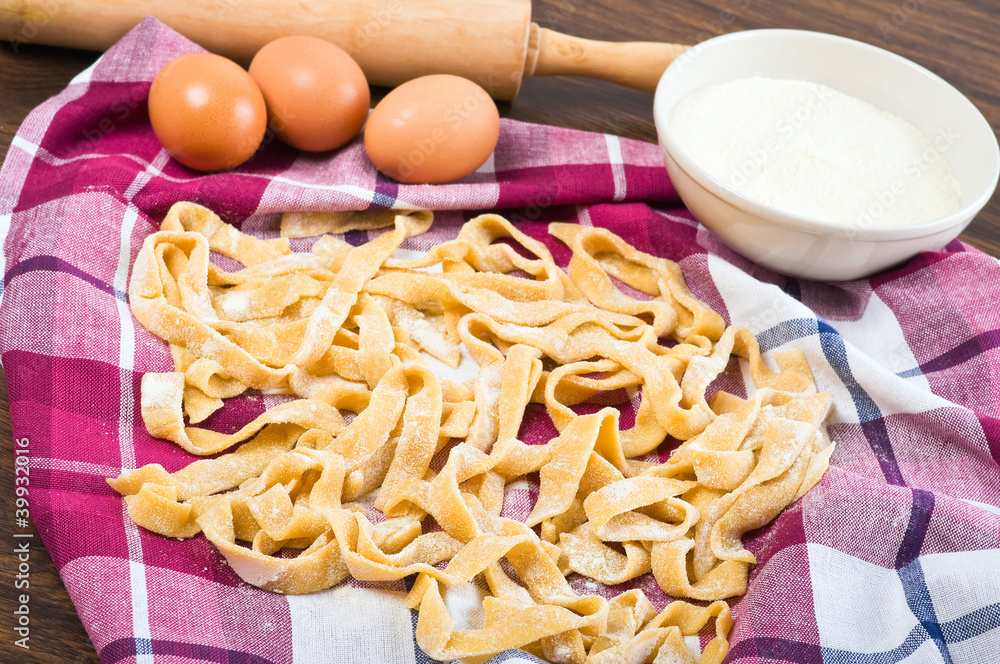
[(954, 38)]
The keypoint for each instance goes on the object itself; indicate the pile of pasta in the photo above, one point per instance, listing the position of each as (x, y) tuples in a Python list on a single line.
[(379, 469)]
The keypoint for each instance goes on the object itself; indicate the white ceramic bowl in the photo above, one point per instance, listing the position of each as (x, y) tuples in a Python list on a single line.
[(809, 248)]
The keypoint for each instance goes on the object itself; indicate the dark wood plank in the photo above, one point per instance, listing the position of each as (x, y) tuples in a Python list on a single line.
[(954, 38)]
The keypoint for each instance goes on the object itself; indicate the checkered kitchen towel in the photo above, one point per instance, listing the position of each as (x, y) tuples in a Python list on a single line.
[(893, 557)]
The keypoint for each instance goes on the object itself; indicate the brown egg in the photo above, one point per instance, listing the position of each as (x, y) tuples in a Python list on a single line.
[(317, 96), (207, 111), (432, 129)]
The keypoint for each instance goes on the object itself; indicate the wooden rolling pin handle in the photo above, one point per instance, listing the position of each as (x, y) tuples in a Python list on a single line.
[(636, 65)]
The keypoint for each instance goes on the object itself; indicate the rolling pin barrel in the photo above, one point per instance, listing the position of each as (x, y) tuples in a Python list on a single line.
[(392, 40), (491, 42)]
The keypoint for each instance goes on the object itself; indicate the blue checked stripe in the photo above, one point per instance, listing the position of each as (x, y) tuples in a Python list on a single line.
[(381, 200), (914, 640), (124, 649), (55, 264), (918, 598), (916, 530), (960, 354), (834, 350), (384, 196), (916, 591), (911, 574), (872, 423), (970, 625)]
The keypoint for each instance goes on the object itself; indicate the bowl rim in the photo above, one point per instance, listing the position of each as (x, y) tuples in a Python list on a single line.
[(812, 226)]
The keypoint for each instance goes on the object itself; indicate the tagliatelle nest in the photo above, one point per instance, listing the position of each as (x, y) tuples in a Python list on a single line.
[(345, 329)]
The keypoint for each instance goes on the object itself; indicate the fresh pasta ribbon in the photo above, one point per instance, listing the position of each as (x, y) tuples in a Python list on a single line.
[(598, 255), (311, 224), (378, 469)]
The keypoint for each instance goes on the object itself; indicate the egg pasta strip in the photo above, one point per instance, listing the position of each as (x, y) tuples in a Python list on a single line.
[(348, 330)]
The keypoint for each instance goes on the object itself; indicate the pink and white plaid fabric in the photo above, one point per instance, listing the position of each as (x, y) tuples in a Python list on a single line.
[(893, 557)]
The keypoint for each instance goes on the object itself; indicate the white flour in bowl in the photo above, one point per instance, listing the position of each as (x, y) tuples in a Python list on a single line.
[(810, 150)]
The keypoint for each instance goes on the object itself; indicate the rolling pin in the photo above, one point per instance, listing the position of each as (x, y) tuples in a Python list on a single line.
[(492, 42)]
